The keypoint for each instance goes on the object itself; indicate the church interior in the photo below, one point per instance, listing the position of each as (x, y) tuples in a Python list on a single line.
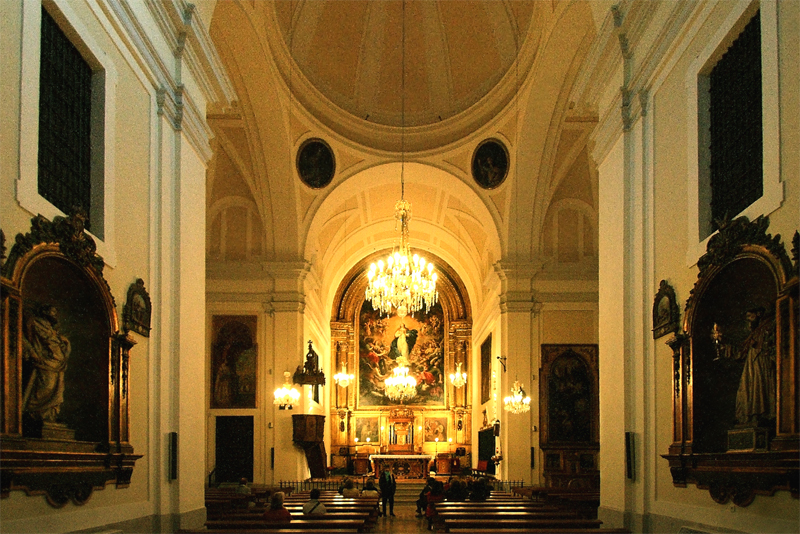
[(553, 242)]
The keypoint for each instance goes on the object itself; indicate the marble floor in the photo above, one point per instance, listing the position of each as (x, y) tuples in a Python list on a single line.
[(405, 520)]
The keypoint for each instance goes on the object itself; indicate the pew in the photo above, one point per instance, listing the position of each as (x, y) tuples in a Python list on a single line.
[(526, 524), (322, 523)]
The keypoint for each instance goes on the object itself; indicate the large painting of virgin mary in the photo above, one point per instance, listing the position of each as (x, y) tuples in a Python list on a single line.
[(418, 339)]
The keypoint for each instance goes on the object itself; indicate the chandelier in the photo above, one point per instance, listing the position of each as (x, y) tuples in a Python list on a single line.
[(404, 282), (400, 387), (287, 395), (517, 402), (343, 379), (458, 378)]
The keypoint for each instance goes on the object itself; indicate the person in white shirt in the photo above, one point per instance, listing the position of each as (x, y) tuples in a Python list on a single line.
[(313, 506)]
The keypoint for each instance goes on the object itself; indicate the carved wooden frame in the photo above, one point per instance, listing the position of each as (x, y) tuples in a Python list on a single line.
[(570, 453), (737, 475), (666, 314), (64, 469)]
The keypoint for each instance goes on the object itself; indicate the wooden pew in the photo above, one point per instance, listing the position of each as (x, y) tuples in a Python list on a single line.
[(526, 524), (600, 530), (321, 523)]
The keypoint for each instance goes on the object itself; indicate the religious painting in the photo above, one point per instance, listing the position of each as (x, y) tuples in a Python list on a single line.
[(137, 310), (666, 314), (383, 340), (436, 427), (490, 164), (315, 163), (233, 361), (486, 369), (368, 430)]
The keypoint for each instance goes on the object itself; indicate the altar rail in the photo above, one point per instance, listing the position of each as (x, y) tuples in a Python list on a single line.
[(334, 484)]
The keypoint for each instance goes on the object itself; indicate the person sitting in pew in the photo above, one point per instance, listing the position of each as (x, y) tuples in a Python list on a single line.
[(480, 490), (370, 490), (350, 490), (436, 494), (457, 491), (313, 506), (276, 511), (422, 501)]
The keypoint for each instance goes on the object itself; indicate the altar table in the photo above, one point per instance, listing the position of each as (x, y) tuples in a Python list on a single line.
[(402, 465)]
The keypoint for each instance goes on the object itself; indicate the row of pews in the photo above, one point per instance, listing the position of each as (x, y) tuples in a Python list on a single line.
[(530, 510), (343, 514)]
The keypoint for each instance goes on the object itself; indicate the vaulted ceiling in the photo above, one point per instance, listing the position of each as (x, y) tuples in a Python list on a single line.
[(390, 84)]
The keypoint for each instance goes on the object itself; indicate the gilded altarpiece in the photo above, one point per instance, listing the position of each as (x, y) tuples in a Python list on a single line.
[(367, 345)]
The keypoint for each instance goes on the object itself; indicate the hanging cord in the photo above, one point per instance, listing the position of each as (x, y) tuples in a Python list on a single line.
[(403, 106)]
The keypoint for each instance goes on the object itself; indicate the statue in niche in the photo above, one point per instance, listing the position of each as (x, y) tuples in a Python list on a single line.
[(47, 352), (755, 398)]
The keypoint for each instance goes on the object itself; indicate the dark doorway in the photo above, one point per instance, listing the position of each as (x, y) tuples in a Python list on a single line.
[(486, 448), (234, 452)]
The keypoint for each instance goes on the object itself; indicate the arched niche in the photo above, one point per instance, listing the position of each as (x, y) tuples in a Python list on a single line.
[(65, 368), (736, 429), (345, 331)]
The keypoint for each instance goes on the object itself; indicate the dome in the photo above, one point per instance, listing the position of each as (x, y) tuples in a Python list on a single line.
[(456, 52)]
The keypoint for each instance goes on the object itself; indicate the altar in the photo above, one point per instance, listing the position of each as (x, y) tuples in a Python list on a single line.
[(402, 465)]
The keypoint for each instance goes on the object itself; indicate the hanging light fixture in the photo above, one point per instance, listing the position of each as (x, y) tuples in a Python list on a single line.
[(518, 401), (458, 378), (286, 395), (400, 386), (343, 379), (405, 281)]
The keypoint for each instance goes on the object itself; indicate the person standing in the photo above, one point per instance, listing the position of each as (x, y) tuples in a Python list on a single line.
[(388, 486)]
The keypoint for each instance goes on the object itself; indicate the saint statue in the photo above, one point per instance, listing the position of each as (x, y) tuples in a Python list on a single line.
[(755, 398), (47, 350)]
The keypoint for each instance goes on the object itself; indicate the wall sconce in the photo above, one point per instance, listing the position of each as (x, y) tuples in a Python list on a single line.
[(502, 360), (458, 378), (287, 395), (343, 379)]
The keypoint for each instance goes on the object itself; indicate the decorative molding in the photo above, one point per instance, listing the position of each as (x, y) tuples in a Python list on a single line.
[(67, 232), (732, 238)]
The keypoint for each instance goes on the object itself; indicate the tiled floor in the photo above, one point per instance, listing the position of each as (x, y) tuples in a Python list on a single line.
[(404, 521)]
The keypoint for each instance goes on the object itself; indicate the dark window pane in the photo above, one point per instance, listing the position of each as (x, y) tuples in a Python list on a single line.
[(735, 112), (65, 107)]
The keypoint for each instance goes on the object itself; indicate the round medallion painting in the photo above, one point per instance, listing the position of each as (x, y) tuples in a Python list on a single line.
[(490, 163), (315, 163)]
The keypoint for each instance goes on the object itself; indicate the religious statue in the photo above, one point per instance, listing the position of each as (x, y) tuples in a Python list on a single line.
[(47, 351), (755, 398)]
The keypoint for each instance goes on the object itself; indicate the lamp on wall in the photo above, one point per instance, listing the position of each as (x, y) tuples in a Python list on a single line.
[(458, 378), (286, 395), (343, 379), (405, 282)]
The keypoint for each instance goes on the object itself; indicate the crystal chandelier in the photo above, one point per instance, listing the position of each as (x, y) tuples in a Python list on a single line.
[(400, 387), (518, 401), (458, 378), (287, 395), (343, 379), (404, 282)]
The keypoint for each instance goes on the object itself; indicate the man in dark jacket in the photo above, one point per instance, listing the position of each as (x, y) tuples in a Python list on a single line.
[(388, 486)]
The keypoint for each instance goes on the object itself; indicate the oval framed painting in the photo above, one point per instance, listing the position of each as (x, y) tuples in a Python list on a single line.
[(490, 163), (315, 163)]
